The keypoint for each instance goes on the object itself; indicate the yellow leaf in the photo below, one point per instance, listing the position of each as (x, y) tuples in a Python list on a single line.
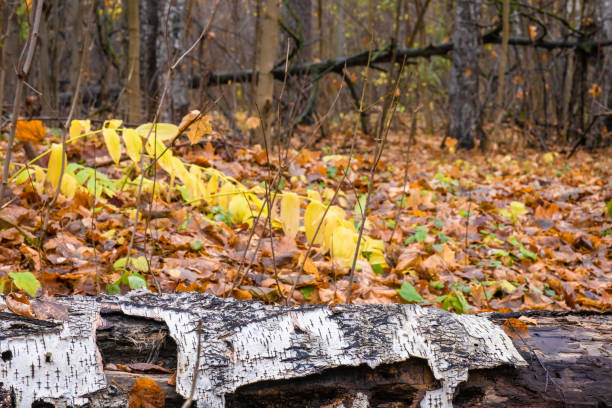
[(375, 248), (312, 216), (213, 185), (30, 131), (79, 126), (517, 209), (55, 164), (133, 144), (314, 195), (156, 148), (253, 122), (225, 195), (113, 123), (113, 143), (163, 131), (200, 189), (178, 169), (344, 243), (548, 158), (239, 208), (69, 185), (334, 218), (290, 214)]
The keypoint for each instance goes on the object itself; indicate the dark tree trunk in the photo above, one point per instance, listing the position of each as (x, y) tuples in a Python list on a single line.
[(150, 73), (463, 88)]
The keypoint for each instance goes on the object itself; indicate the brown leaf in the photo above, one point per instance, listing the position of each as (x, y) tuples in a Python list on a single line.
[(148, 368), (20, 304), (47, 309)]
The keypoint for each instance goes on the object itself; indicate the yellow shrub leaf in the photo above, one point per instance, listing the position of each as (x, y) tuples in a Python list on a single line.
[(333, 219), (156, 148), (113, 123), (164, 131), (225, 195), (290, 214), (239, 208), (79, 126), (344, 243), (314, 195), (213, 185), (69, 185), (312, 216), (133, 144), (113, 144), (55, 164)]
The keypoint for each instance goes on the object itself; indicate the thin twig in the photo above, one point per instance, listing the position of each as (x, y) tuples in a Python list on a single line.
[(25, 63)]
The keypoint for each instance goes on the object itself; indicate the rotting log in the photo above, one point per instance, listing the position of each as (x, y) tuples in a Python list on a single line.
[(252, 355)]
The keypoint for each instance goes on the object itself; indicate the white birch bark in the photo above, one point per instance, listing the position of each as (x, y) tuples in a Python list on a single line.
[(247, 342)]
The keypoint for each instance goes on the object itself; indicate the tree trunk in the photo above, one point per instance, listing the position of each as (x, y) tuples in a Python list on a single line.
[(265, 63), (463, 87), (604, 107), (134, 102), (150, 73), (253, 355), (170, 47)]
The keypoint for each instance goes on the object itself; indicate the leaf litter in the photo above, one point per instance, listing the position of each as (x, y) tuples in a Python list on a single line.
[(475, 232)]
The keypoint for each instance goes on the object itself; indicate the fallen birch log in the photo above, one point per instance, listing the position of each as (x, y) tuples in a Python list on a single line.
[(239, 354)]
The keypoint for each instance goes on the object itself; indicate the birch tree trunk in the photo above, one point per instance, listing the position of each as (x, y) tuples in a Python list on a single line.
[(252, 355), (265, 62), (463, 87), (170, 47)]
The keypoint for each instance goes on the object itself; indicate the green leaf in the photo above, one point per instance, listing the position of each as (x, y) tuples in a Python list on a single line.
[(136, 281), (609, 208), (377, 268), (409, 293), (436, 284), (25, 281), (307, 291), (360, 205), (119, 263), (196, 245), (528, 254), (113, 288), (514, 241)]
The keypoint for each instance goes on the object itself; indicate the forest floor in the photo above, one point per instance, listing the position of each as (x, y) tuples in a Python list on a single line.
[(502, 231)]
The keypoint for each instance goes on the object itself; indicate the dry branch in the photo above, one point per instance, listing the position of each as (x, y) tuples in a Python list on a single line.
[(336, 65)]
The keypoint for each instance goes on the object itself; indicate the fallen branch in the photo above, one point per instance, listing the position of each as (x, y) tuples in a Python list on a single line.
[(384, 55)]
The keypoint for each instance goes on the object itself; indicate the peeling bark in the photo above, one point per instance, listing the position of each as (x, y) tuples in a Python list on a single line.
[(252, 353)]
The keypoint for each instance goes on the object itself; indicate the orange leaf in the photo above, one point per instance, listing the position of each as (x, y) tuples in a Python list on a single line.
[(146, 394), (30, 131)]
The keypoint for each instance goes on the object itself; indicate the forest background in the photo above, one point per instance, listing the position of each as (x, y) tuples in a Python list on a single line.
[(236, 147)]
